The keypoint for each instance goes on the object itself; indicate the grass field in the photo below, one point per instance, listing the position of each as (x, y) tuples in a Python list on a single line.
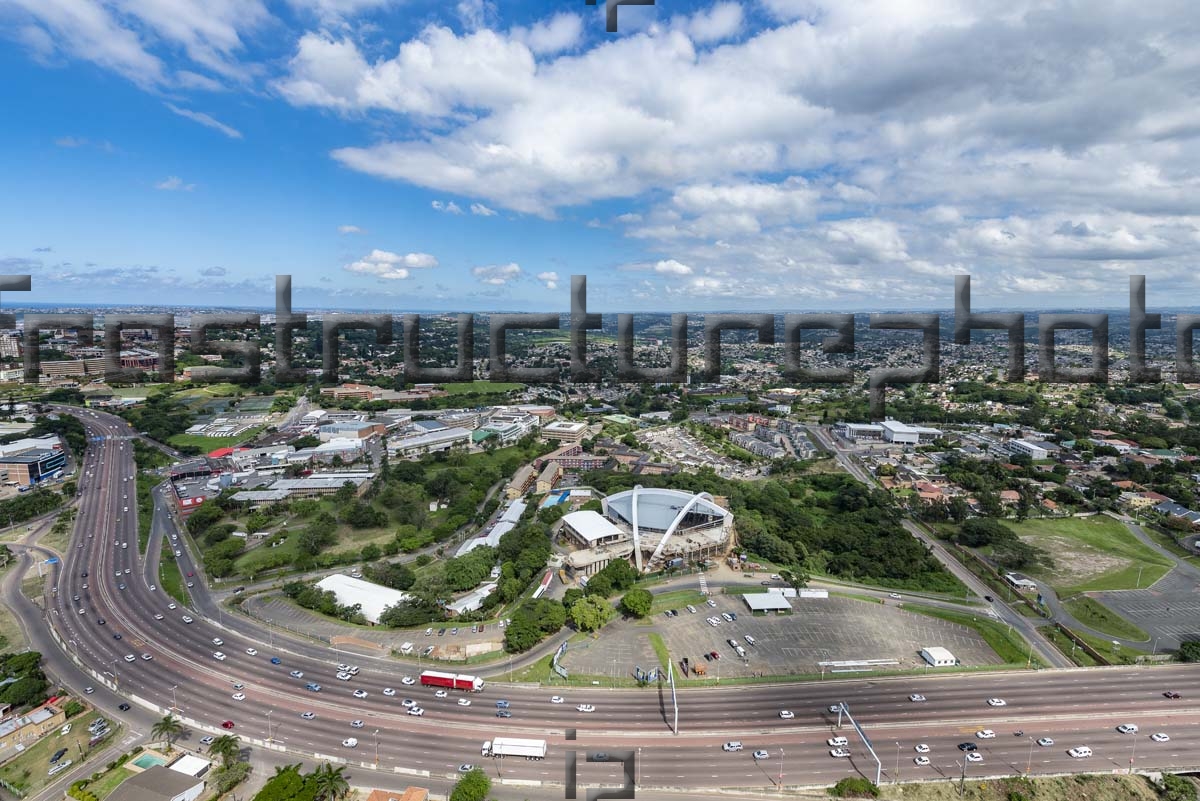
[(1096, 615), (481, 388), (104, 786), (1091, 553), (169, 577), (1122, 655), (660, 648), (1064, 644), (1008, 645), (677, 599), (1093, 788), (11, 636), (209, 444)]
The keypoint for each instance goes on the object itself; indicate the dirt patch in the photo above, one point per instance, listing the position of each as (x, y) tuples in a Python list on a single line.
[(1092, 788), (1075, 562)]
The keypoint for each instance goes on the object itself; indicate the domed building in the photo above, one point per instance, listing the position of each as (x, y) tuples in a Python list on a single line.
[(653, 526)]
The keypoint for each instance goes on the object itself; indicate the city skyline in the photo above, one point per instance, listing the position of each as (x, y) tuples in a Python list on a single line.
[(770, 155)]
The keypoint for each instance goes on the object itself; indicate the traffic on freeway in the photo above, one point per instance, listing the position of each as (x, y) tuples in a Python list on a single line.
[(221, 672)]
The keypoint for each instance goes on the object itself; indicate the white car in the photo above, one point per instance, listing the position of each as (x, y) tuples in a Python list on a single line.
[(585, 708), (416, 711), (308, 715), (1045, 742), (187, 619), (350, 742), (840, 753), (835, 708), (343, 668), (1082, 752), (360, 693), (464, 701), (239, 696), (1159, 737), (356, 724), (974, 756), (711, 603), (557, 699), (921, 760), (252, 651), (408, 703), (344, 676), (130, 658), (985, 734), (997, 702), (1128, 728), (217, 655), (172, 606), (921, 748), (786, 714), (441, 694), (408, 681), (761, 755), (916, 698), (389, 692)]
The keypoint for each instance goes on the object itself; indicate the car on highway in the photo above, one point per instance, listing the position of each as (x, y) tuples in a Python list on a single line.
[(968, 747), (276, 660), (389, 692), (408, 702), (252, 651), (921, 761), (840, 753), (101, 621), (239, 696), (217, 655), (837, 742), (465, 768), (416, 711), (146, 657), (308, 715), (297, 674), (921, 748), (207, 740), (172, 606), (464, 701), (350, 742), (344, 676), (187, 618), (916, 697), (1128, 728), (441, 694), (732, 745), (89, 690), (997, 702), (985, 734), (503, 713), (313, 687), (557, 699), (1045, 742), (835, 708), (363, 694), (1080, 752), (158, 616), (760, 754), (130, 658), (894, 595), (217, 641), (974, 756), (356, 724), (237, 685), (786, 714), (989, 599), (190, 585), (585, 708), (1167, 694), (227, 724), (408, 681), (123, 707)]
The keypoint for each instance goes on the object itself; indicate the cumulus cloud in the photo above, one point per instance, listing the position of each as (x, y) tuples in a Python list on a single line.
[(350, 229), (497, 274), (389, 266), (482, 210), (207, 120), (214, 271), (721, 21), (70, 141), (449, 207), (549, 279), (174, 183), (560, 32)]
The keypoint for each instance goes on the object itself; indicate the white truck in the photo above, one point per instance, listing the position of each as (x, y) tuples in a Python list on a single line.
[(514, 746)]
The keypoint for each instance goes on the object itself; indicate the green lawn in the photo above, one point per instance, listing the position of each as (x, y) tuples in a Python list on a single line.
[(1091, 553), (170, 580), (209, 444), (1064, 644), (660, 648), (481, 387), (28, 771), (1096, 615), (103, 786), (1009, 646), (1122, 655), (677, 599)]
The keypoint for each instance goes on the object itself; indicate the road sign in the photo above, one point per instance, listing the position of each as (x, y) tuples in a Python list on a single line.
[(53, 560)]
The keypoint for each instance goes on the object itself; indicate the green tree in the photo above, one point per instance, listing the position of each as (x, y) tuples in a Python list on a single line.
[(226, 748), (572, 595), (637, 602), (329, 783), (168, 728), (473, 786), (1189, 651), (591, 613), (1177, 788)]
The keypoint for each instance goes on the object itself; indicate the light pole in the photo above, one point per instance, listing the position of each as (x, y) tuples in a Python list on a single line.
[(897, 777), (1133, 754), (638, 780), (1155, 651), (781, 770), (1029, 764), (962, 780), (269, 711), (174, 702), (377, 748)]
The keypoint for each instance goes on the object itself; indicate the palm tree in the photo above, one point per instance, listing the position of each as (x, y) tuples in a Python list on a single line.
[(167, 728), (282, 769), (330, 782), (226, 747)]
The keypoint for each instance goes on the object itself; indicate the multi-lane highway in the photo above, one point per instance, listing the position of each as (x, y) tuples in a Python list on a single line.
[(119, 614)]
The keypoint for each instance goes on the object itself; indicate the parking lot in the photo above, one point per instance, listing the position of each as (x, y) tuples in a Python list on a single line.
[(830, 629)]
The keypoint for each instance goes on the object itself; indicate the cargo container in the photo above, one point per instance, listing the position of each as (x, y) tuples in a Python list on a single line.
[(451, 681), (514, 746)]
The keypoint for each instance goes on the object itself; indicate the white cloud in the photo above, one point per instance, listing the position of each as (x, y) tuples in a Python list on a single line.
[(560, 32), (213, 271), (70, 141), (206, 120), (475, 14), (449, 207), (721, 21), (550, 279), (389, 266), (336, 11), (174, 183), (350, 229), (672, 267), (497, 274), (482, 210)]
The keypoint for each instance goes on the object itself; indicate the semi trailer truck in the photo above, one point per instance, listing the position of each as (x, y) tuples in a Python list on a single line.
[(451, 681), (514, 746)]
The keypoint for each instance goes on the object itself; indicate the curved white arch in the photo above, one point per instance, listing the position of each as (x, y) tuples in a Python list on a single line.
[(687, 507), (637, 534)]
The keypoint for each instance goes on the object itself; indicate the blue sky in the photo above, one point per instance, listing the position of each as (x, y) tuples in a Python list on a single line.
[(768, 154)]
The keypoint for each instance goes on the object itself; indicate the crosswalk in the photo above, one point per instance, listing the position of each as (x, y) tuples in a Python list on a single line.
[(703, 585)]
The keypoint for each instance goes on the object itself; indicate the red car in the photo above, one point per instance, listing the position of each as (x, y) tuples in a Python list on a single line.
[(191, 574), (714, 654), (227, 724)]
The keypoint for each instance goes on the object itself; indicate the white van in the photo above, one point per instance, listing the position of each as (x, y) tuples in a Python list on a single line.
[(732, 745), (837, 742), (740, 651), (1081, 752)]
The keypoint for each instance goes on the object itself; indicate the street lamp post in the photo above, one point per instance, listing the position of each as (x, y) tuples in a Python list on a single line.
[(781, 770), (1133, 754), (377, 748), (174, 702), (896, 779), (269, 711), (1029, 763), (962, 780)]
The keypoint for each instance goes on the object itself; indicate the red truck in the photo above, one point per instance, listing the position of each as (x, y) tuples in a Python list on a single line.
[(452, 681)]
